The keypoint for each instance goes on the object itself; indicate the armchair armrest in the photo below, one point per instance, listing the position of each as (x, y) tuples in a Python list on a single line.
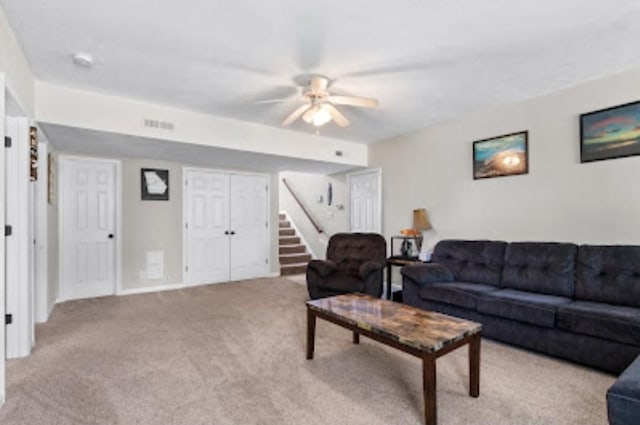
[(322, 267), (369, 267), (423, 274)]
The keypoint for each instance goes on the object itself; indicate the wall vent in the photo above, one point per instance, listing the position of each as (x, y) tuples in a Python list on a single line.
[(162, 125)]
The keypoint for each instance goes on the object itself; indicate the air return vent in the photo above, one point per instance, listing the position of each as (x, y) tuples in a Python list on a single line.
[(162, 125)]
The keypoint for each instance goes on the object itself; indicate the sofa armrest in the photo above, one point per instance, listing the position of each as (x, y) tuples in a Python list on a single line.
[(322, 267), (369, 267), (423, 274), (623, 398)]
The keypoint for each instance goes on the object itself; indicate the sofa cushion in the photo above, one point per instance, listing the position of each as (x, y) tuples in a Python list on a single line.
[(623, 398), (527, 307), (462, 294), (423, 273), (609, 274), (342, 283), (543, 267), (472, 261), (616, 323)]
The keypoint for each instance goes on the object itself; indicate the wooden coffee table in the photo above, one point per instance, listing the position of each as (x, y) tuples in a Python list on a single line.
[(424, 334)]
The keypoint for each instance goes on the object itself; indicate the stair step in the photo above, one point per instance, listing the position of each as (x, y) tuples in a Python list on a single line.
[(284, 223), (289, 240), (293, 269), (292, 249), (298, 258), (287, 232), (282, 216)]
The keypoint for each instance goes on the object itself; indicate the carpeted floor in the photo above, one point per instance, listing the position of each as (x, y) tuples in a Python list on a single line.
[(234, 354)]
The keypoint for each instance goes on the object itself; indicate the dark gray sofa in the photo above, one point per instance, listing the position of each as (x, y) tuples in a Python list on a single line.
[(580, 303)]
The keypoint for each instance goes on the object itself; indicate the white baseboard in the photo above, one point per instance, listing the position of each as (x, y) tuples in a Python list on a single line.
[(272, 274), (147, 289)]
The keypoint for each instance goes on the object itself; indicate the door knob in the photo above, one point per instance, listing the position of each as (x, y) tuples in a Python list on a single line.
[(233, 232), (110, 235), (226, 232)]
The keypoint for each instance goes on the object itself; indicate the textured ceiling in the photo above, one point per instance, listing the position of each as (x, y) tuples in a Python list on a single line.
[(426, 61)]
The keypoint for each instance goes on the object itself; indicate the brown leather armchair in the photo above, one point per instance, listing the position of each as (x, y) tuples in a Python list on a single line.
[(355, 263)]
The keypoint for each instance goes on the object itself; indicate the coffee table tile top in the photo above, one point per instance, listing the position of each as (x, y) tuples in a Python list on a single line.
[(425, 330)]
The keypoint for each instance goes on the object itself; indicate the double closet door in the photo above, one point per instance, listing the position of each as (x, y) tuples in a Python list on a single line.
[(226, 226)]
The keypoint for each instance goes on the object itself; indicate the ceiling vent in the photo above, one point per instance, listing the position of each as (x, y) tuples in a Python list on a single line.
[(162, 125)]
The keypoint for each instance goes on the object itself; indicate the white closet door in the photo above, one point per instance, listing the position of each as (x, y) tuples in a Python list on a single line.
[(364, 201), (88, 214), (207, 220), (249, 221)]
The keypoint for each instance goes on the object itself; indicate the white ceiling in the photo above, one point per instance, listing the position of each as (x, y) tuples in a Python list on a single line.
[(425, 60)]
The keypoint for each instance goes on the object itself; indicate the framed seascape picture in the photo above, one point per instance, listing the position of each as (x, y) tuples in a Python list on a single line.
[(610, 133), (506, 155), (154, 184)]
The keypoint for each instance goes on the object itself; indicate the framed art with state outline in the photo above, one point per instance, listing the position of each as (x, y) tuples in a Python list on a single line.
[(610, 133), (506, 155), (154, 184)]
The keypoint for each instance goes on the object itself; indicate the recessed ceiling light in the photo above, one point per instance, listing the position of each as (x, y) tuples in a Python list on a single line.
[(82, 59)]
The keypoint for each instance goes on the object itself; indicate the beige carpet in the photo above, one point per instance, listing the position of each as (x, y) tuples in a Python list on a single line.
[(234, 354)]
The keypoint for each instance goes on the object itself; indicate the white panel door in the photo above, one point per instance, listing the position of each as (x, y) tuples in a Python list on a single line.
[(364, 202), (248, 242), (206, 227), (2, 253), (88, 217)]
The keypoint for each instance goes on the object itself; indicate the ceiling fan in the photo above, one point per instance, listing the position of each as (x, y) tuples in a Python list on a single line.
[(319, 104)]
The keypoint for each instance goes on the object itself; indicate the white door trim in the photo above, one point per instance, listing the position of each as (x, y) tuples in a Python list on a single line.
[(20, 284), (185, 170), (63, 161), (377, 170), (2, 249)]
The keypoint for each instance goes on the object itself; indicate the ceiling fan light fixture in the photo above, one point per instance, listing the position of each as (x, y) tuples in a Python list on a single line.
[(321, 117)]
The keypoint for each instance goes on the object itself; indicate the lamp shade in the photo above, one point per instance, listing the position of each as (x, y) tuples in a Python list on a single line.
[(421, 220)]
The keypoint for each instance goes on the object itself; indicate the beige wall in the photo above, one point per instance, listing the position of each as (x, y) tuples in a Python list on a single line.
[(19, 78), (309, 187), (52, 236), (559, 200), (150, 225)]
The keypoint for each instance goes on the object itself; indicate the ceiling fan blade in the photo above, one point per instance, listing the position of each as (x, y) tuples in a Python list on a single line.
[(318, 84), (284, 99), (294, 115), (364, 102), (337, 116)]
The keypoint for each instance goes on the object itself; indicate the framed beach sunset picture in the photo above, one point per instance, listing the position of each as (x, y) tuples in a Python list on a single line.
[(610, 133), (506, 155)]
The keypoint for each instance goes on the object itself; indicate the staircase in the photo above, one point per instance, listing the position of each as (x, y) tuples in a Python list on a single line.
[(293, 254)]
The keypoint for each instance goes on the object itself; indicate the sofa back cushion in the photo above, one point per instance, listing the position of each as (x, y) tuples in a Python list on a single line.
[(351, 250), (609, 274), (542, 267), (471, 261)]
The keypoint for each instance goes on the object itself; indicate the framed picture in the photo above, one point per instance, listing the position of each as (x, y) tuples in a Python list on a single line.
[(154, 184), (33, 153), (506, 155), (610, 133)]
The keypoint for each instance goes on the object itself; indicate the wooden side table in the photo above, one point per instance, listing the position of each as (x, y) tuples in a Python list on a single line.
[(397, 260)]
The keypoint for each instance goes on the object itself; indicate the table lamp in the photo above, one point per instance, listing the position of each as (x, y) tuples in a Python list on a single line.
[(420, 222)]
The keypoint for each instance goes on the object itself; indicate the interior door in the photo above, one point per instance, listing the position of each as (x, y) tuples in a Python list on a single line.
[(88, 226), (206, 227), (364, 202), (249, 226), (2, 249)]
